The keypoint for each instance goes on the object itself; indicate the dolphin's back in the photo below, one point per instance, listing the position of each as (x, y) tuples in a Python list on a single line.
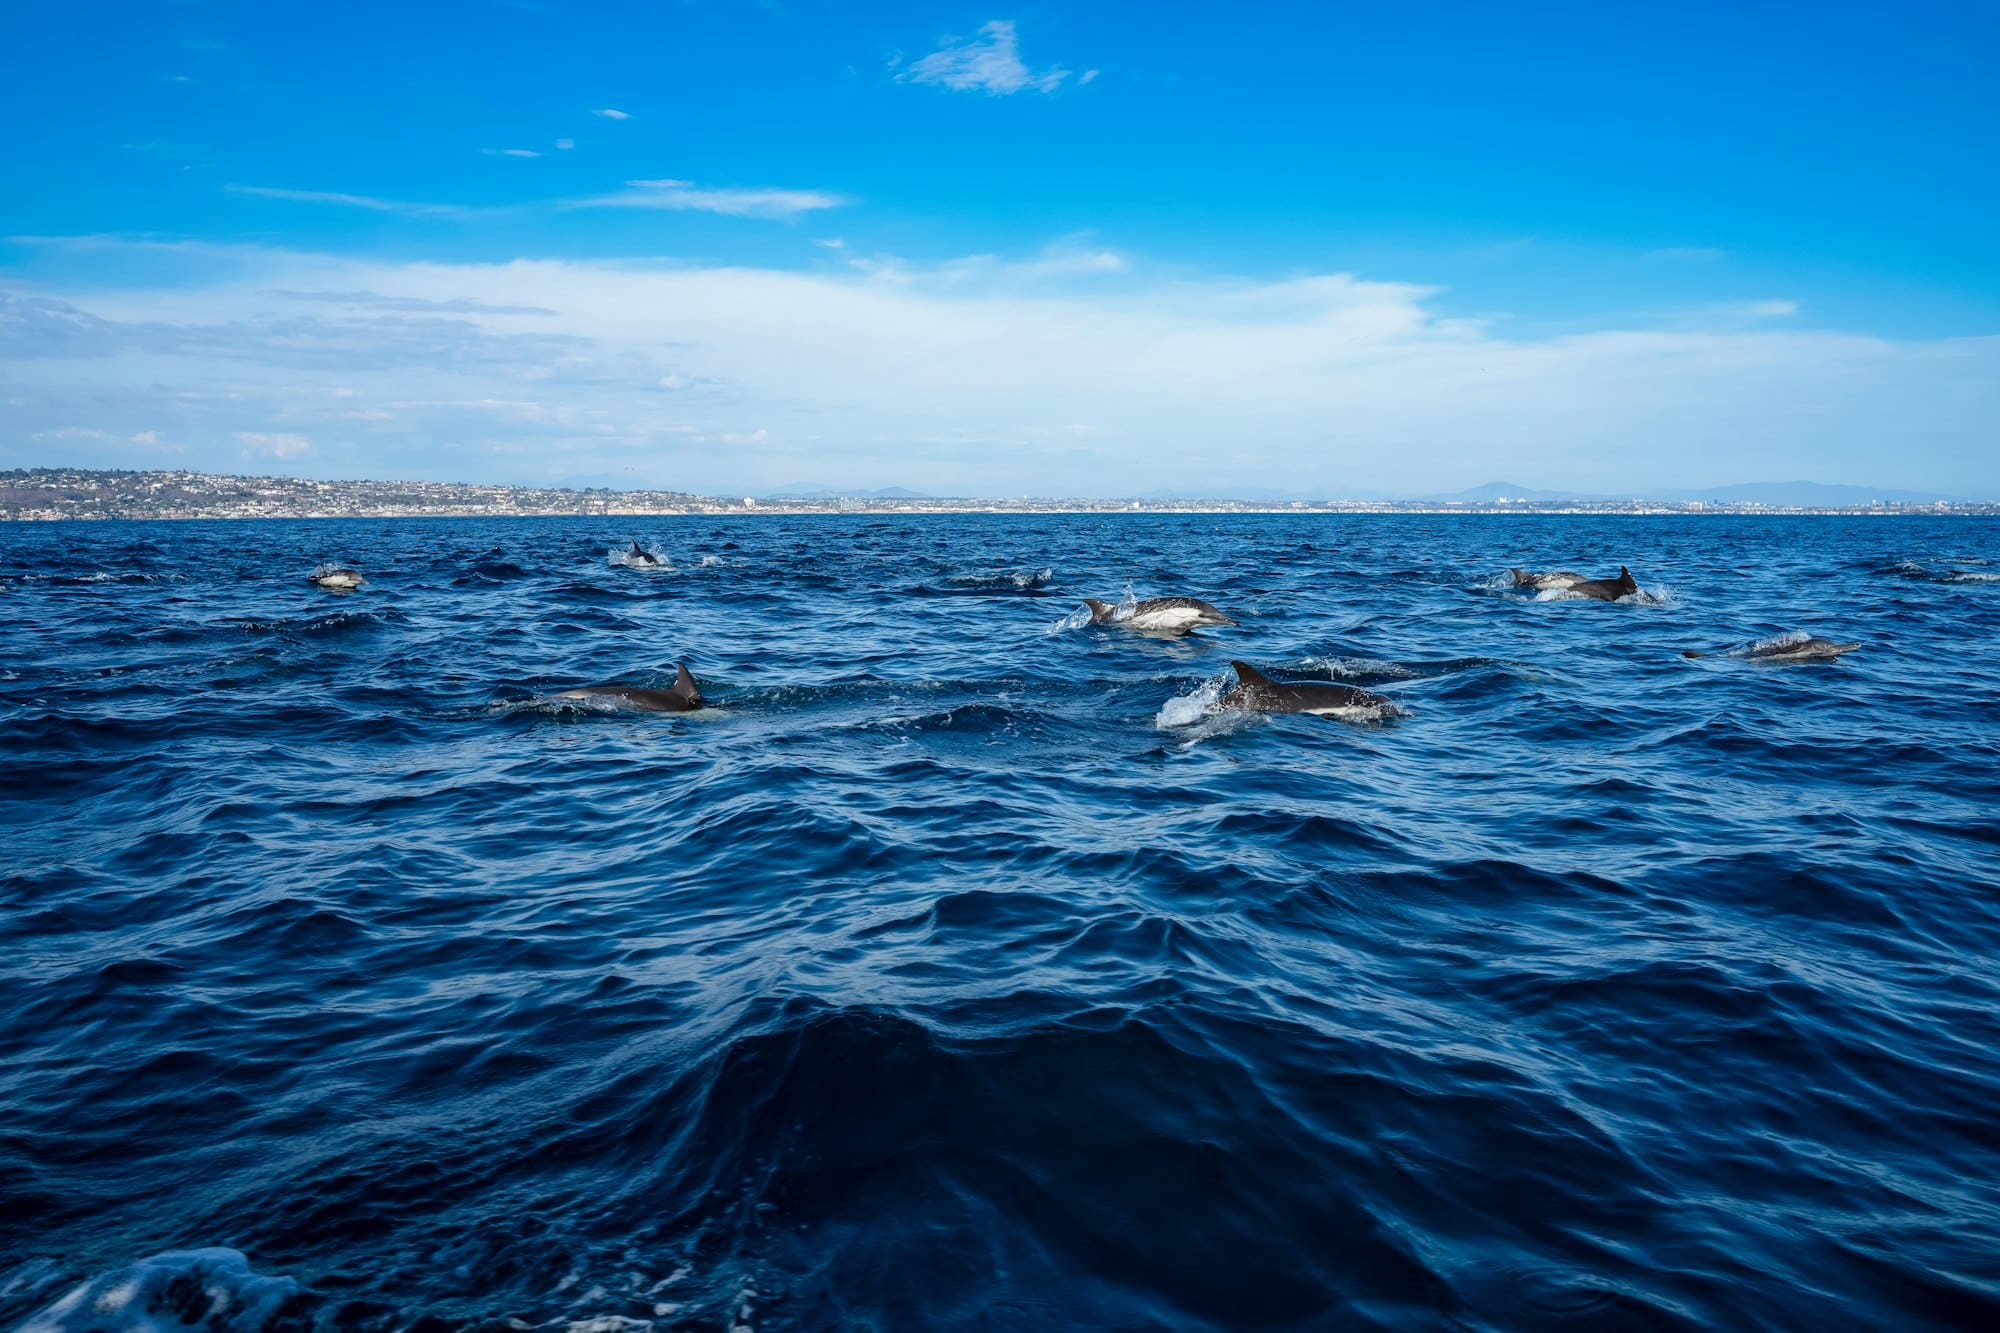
[(683, 697), (1176, 613), (1260, 694), (1798, 650), (1607, 590), (1158, 615)]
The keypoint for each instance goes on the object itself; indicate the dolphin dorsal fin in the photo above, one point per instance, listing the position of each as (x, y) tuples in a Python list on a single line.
[(1098, 608), (684, 685), (1249, 675)]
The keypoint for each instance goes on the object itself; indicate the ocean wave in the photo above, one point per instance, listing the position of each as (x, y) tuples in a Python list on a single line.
[(951, 974)]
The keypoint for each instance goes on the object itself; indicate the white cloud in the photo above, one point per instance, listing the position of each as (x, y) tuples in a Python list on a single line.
[(611, 114), (989, 63), (966, 377), (679, 195), (1089, 76), (276, 444), (672, 195), (510, 152), (1062, 259), (565, 143), (368, 202)]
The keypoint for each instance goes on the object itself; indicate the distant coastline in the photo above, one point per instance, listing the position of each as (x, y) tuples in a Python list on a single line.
[(68, 494)]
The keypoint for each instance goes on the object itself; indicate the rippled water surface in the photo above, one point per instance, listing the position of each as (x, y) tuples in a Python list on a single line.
[(962, 966)]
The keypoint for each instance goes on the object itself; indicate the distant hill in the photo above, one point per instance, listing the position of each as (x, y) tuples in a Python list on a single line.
[(1784, 494), (1495, 491), (1260, 494), (1806, 494), (821, 491)]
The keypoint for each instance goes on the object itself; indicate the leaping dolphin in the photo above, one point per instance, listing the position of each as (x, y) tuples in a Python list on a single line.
[(1158, 615), (639, 556), (1784, 649), (684, 697), (337, 578), (1258, 693), (1606, 590)]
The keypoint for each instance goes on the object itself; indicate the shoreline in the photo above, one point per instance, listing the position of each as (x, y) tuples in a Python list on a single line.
[(1053, 509), (45, 495)]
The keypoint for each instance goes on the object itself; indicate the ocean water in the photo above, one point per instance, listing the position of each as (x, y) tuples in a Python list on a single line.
[(965, 967)]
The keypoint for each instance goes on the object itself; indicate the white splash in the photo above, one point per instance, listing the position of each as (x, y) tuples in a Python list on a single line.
[(1185, 710), (1772, 644), (211, 1289), (1355, 667), (622, 557), (1076, 619)]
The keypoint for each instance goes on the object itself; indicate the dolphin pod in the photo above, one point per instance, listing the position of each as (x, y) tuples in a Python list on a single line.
[(1158, 615), (1254, 691)]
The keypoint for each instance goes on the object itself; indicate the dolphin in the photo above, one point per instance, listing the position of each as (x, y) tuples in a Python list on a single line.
[(1158, 615), (1258, 693), (1549, 582), (684, 697), (337, 578), (640, 556), (1785, 649), (1606, 590)]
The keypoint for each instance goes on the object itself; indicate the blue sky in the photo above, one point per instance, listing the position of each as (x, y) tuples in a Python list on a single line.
[(1322, 248)]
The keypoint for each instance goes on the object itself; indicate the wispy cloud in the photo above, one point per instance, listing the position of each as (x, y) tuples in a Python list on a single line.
[(510, 152), (276, 444), (686, 196), (989, 63), (148, 440), (565, 143), (1067, 258), (611, 113), (411, 304), (669, 195), (369, 202)]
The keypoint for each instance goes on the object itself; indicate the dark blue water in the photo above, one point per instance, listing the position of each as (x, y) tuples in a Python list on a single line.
[(962, 968)]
